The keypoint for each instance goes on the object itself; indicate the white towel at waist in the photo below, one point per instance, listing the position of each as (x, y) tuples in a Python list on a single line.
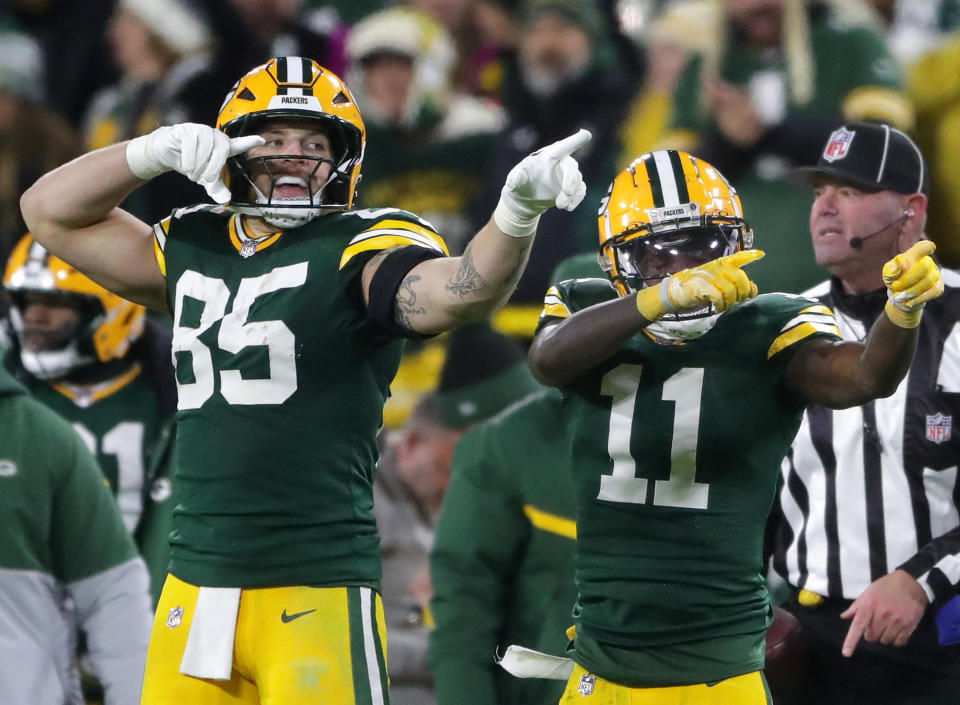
[(209, 649), (522, 662)]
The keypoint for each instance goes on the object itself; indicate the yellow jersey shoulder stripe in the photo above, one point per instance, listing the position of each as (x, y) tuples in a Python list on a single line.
[(551, 523), (553, 304), (397, 224), (811, 320), (392, 233), (160, 231)]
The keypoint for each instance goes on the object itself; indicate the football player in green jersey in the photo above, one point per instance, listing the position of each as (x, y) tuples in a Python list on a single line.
[(66, 563), (96, 360), (683, 390), (289, 313)]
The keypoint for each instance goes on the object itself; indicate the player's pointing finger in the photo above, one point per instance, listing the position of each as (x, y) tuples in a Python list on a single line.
[(568, 145), (739, 259)]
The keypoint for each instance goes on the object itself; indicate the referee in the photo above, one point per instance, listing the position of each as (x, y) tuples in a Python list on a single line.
[(866, 533)]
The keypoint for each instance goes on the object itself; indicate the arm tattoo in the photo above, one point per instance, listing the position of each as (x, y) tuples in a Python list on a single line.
[(466, 280), (405, 303)]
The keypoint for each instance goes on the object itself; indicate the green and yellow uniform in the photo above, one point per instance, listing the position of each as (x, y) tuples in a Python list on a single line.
[(127, 426), (66, 563), (675, 450), (512, 582), (281, 380)]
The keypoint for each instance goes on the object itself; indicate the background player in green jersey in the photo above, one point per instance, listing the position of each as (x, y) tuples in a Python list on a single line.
[(66, 562), (289, 310), (101, 364), (512, 580), (683, 390)]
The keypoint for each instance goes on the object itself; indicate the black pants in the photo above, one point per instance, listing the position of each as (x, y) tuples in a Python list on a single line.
[(920, 673)]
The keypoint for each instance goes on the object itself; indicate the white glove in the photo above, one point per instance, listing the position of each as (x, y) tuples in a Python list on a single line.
[(196, 151), (548, 177)]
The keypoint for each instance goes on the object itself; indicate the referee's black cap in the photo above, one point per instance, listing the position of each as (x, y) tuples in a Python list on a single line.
[(871, 156)]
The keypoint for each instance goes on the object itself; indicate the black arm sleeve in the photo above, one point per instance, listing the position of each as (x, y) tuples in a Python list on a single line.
[(383, 288)]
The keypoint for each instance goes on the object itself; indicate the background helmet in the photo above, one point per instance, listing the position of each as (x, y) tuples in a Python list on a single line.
[(108, 324), (293, 87)]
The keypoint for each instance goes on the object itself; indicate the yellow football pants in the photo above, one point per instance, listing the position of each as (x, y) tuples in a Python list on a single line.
[(584, 688), (293, 646)]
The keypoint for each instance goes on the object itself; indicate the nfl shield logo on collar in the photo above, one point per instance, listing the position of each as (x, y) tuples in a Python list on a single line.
[(939, 428), (248, 249), (838, 144), (586, 684), (175, 617)]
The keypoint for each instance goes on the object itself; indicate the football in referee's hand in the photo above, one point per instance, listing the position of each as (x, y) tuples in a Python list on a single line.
[(786, 655)]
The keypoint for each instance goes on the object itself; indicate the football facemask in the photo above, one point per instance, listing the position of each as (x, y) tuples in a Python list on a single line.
[(300, 91), (669, 211), (105, 325)]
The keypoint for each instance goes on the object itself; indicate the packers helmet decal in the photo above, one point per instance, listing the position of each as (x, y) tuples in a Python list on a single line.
[(293, 87), (667, 211), (108, 324)]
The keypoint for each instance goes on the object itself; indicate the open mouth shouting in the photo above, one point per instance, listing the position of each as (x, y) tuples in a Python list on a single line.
[(291, 187)]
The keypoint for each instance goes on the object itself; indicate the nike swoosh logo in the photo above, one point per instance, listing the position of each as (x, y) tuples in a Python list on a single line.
[(290, 617)]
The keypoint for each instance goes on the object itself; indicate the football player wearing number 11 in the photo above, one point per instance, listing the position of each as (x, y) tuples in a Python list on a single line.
[(289, 313), (684, 390)]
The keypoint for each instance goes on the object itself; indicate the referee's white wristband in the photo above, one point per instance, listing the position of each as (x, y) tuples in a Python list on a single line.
[(139, 161)]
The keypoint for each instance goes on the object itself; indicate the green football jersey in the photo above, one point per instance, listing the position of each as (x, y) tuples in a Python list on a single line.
[(119, 421), (50, 487), (676, 451), (511, 581), (281, 383)]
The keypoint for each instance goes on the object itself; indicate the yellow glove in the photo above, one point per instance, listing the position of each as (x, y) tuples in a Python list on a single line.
[(720, 282), (912, 279)]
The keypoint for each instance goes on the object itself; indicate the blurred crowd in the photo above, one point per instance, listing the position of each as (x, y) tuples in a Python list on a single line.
[(453, 90), (453, 94)]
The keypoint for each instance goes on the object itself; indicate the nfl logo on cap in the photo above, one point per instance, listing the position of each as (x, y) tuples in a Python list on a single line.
[(838, 145)]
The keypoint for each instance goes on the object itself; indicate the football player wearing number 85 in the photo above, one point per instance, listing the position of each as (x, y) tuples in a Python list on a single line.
[(684, 391), (289, 314)]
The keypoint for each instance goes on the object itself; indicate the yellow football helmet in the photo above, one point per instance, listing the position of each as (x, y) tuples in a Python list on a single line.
[(107, 326), (667, 211), (293, 87)]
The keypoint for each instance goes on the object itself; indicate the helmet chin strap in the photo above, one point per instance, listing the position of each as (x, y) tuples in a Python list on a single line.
[(53, 364), (288, 213), (286, 218), (47, 364)]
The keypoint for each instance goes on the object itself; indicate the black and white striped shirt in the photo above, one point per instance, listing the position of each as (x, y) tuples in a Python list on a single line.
[(874, 488)]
